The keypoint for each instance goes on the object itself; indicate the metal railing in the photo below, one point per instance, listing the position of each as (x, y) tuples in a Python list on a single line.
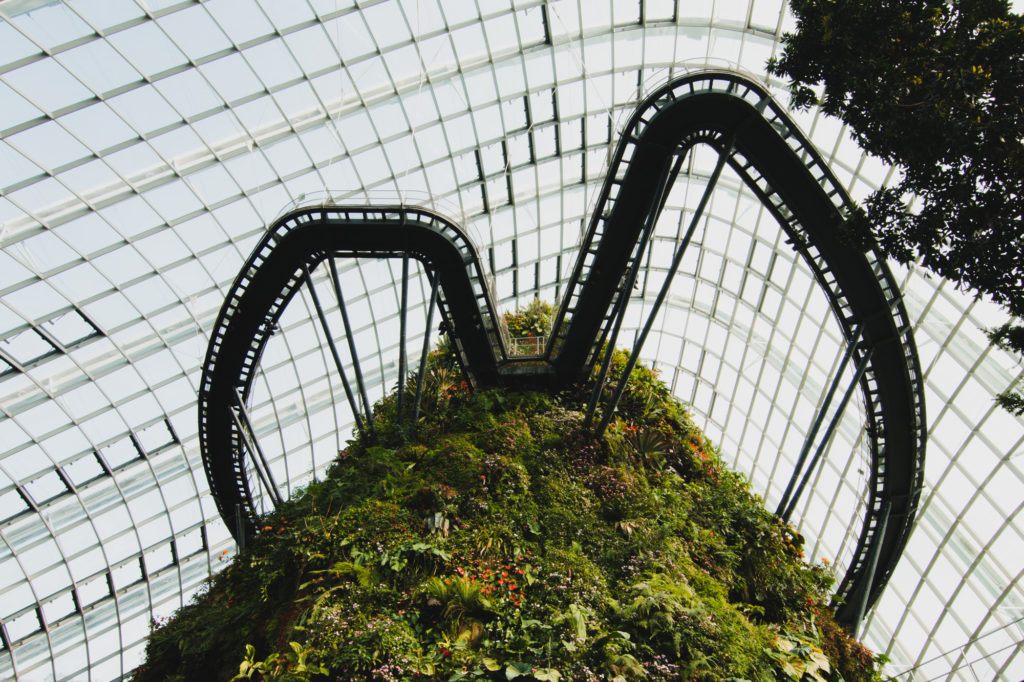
[(527, 345)]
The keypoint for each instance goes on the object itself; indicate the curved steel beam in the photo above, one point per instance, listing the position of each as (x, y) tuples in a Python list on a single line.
[(764, 147), (272, 275), (726, 111)]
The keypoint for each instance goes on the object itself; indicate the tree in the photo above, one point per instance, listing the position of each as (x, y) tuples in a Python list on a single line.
[(501, 540), (935, 88)]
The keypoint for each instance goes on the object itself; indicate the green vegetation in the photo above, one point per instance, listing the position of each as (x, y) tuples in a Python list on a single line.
[(935, 88), (533, 320), (496, 540), (529, 327)]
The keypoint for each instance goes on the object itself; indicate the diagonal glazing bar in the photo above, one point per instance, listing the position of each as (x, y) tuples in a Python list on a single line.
[(333, 347)]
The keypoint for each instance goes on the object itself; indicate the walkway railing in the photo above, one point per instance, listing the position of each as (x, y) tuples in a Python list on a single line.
[(754, 136), (751, 134), (527, 345)]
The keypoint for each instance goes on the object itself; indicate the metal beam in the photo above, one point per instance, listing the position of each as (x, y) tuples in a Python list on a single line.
[(360, 384), (240, 527), (723, 154), (862, 367), (332, 346), (619, 310), (402, 315), (241, 418), (819, 418), (862, 603), (426, 349)]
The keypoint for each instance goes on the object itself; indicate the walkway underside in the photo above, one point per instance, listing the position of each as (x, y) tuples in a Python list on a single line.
[(754, 136)]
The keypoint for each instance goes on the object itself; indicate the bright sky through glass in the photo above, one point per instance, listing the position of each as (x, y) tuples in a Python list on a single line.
[(144, 148)]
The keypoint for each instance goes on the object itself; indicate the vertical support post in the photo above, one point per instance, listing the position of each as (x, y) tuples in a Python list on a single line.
[(862, 367), (403, 309), (239, 527), (426, 350), (820, 417), (723, 155), (360, 384), (862, 602)]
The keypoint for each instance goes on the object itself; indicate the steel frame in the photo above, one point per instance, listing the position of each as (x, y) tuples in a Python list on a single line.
[(751, 134)]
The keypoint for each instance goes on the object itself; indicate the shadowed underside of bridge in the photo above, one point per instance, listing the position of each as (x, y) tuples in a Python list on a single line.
[(753, 136)]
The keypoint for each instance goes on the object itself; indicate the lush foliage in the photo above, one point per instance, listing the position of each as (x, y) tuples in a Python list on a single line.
[(533, 320), (1010, 337), (496, 540), (935, 88)]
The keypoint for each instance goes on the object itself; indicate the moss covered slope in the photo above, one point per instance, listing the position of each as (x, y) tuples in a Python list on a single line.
[(497, 540)]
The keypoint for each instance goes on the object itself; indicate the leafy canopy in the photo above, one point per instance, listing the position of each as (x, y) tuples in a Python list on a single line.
[(935, 88)]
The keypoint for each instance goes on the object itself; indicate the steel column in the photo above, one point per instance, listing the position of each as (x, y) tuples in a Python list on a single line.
[(426, 349), (619, 310), (862, 367), (332, 346), (862, 603), (402, 314), (723, 154), (243, 424), (360, 384), (820, 417)]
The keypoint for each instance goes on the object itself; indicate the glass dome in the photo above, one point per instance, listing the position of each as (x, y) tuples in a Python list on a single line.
[(147, 145)]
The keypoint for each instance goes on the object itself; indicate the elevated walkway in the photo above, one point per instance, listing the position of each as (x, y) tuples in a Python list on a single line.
[(757, 140)]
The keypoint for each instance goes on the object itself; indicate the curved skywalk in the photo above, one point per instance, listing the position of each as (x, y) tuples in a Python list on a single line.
[(147, 145), (731, 115)]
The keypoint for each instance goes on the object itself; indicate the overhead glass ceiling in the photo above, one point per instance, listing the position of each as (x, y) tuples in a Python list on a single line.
[(145, 146)]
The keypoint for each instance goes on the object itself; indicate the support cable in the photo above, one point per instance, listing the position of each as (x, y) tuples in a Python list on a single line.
[(962, 648)]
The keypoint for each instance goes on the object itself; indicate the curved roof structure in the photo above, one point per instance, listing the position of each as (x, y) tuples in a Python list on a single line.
[(146, 145)]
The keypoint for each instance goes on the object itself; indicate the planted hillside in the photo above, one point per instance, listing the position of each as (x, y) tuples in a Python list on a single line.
[(496, 540)]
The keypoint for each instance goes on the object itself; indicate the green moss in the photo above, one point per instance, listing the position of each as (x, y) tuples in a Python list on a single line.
[(496, 539)]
